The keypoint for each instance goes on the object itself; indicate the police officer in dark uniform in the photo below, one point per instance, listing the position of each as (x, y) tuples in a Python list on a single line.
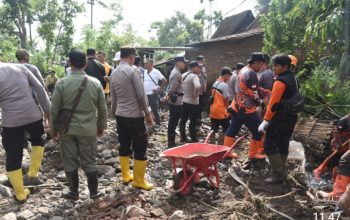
[(175, 98)]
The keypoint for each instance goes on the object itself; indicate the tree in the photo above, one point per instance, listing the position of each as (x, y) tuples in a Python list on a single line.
[(70, 9), (283, 32), (208, 20), (178, 30), (13, 19), (312, 26), (262, 6)]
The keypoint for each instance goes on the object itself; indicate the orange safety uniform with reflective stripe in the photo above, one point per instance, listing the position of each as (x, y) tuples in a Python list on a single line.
[(276, 96), (247, 91), (107, 70), (218, 109)]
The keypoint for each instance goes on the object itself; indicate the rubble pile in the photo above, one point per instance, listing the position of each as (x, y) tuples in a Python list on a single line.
[(231, 201)]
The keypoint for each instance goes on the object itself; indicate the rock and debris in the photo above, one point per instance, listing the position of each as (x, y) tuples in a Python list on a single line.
[(252, 200)]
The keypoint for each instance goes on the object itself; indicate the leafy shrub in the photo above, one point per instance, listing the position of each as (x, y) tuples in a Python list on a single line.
[(326, 96)]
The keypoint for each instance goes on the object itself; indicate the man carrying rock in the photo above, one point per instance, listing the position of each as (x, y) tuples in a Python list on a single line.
[(130, 106), (175, 97), (78, 143), (21, 115), (191, 87)]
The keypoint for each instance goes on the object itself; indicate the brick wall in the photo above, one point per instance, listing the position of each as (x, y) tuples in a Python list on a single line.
[(225, 53)]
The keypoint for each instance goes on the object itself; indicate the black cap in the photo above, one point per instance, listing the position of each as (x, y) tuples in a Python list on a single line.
[(137, 60), (256, 56), (239, 65), (90, 51), (180, 59), (267, 58), (225, 70), (200, 58), (282, 59), (127, 51), (193, 64)]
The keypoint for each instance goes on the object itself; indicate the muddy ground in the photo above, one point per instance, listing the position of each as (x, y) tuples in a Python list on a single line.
[(230, 201)]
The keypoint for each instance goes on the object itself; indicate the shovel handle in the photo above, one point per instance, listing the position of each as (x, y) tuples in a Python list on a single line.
[(234, 144)]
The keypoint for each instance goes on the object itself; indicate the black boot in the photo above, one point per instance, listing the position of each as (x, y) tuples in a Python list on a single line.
[(171, 140), (183, 134), (73, 184), (193, 134), (277, 169), (92, 180)]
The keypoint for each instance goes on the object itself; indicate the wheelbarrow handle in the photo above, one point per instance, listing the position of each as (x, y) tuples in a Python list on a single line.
[(233, 145), (208, 136)]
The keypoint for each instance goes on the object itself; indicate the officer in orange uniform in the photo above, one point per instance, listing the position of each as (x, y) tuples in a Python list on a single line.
[(219, 103), (342, 175), (243, 108), (279, 121)]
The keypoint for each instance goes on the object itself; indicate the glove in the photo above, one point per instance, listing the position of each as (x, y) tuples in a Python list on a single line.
[(230, 110), (263, 126)]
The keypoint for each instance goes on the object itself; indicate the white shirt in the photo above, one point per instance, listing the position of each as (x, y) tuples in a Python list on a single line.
[(148, 82)]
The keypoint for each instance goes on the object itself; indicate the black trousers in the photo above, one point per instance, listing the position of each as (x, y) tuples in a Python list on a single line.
[(216, 123), (189, 111), (278, 135), (132, 133), (175, 112), (153, 102), (202, 103), (13, 140)]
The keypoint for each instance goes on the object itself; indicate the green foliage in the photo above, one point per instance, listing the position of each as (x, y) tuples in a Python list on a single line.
[(39, 59), (13, 15), (263, 6), (326, 96), (283, 32), (178, 30), (324, 23), (59, 70), (309, 26), (8, 49)]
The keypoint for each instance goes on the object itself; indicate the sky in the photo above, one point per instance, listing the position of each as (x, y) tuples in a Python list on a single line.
[(141, 13)]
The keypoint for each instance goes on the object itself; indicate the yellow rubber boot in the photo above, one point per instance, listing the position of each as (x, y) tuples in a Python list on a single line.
[(16, 180), (139, 175), (36, 157), (124, 164)]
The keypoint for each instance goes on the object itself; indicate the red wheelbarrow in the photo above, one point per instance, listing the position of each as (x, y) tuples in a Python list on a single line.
[(197, 160)]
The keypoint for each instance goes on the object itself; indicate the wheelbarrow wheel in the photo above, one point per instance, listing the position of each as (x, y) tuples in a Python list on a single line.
[(179, 182)]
